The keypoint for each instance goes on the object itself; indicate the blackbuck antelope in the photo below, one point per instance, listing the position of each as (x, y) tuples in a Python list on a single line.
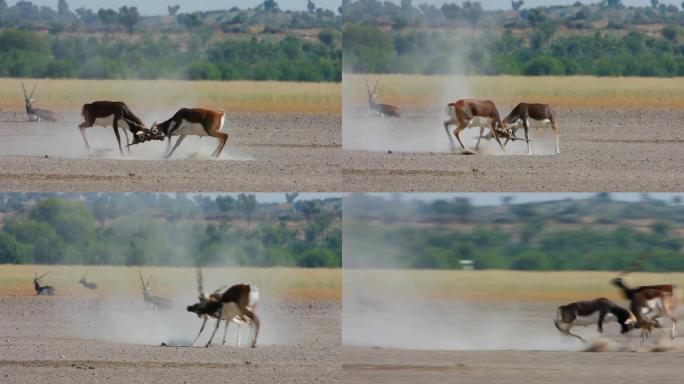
[(197, 122), (237, 301), (86, 284), (586, 313), (217, 296), (523, 112), (648, 303), (155, 301), (113, 114), (42, 290), (36, 114), (380, 108), (462, 114)]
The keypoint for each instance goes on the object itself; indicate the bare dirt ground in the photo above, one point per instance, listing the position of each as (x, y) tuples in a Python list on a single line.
[(265, 152), (68, 340), (601, 150), (458, 341)]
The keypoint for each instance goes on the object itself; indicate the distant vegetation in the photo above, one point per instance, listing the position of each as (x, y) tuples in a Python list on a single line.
[(263, 43), (604, 39), (592, 234), (168, 230)]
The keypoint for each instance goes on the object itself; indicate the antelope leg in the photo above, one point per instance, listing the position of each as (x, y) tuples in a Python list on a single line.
[(218, 322), (204, 322)]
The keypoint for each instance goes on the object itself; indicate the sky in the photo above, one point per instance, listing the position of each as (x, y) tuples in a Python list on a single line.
[(494, 198), (157, 7)]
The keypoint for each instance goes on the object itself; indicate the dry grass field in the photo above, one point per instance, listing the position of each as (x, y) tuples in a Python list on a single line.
[(234, 96)]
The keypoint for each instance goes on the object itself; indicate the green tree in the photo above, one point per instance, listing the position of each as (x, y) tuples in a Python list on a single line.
[(173, 9), (310, 6), (516, 5), (11, 251), (270, 5), (128, 17), (63, 7), (247, 204)]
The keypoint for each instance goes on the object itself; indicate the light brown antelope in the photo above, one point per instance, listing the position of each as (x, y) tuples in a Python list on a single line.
[(45, 289), (195, 121), (380, 108), (86, 284), (155, 301), (36, 114), (523, 112), (216, 296), (462, 113), (648, 303), (236, 301), (590, 312), (110, 114)]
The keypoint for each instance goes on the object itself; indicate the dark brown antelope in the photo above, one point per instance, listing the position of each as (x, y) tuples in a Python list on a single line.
[(648, 303), (523, 112), (45, 289), (113, 114), (86, 284), (590, 312), (195, 121), (462, 114), (216, 296), (380, 108), (36, 114), (155, 301)]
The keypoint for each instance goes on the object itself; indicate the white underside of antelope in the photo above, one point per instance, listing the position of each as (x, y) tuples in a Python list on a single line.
[(656, 309), (539, 125), (108, 121)]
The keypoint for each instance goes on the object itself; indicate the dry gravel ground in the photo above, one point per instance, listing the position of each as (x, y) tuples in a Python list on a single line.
[(601, 150), (265, 152), (67, 340)]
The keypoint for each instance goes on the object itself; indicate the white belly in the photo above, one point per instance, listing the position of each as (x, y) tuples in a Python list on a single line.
[(108, 121), (188, 128)]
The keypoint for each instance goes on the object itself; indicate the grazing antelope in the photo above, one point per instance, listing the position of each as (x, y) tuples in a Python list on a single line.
[(36, 114), (155, 301), (114, 114), (86, 284), (235, 301), (42, 290), (195, 121), (523, 112), (648, 303), (463, 112), (598, 311), (216, 296), (380, 108)]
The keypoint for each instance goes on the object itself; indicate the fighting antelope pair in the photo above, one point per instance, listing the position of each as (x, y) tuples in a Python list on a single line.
[(236, 304), (186, 122), (464, 112)]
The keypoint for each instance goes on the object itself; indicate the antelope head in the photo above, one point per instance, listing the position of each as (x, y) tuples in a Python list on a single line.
[(145, 286), (372, 96), (28, 99)]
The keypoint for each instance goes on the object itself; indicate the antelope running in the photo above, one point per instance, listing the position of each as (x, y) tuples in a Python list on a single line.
[(111, 113), (155, 301), (42, 290), (36, 114), (198, 122), (380, 108), (523, 112), (86, 284), (216, 296), (598, 311), (648, 303), (463, 112)]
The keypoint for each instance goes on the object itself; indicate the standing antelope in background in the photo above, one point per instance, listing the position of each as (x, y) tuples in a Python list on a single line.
[(523, 112), (216, 297), (36, 114), (42, 290), (86, 284), (110, 113), (380, 108), (463, 112), (196, 121), (598, 311), (155, 301), (648, 303)]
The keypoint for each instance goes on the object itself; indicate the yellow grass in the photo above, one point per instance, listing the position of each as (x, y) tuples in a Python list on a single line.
[(502, 285), (231, 96), (293, 283), (577, 91)]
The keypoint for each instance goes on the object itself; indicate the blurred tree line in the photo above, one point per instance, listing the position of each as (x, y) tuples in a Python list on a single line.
[(597, 233), (602, 39), (220, 45), (166, 229)]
